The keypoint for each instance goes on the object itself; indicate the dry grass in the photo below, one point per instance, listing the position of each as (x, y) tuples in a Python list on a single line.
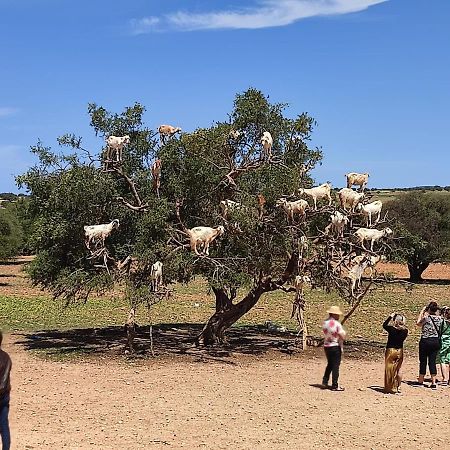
[(24, 308)]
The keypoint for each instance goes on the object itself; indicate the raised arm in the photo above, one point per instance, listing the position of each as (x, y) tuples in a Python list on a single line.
[(386, 322), (421, 317)]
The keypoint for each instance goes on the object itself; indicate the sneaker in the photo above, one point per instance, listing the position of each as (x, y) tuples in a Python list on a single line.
[(325, 386), (337, 388), (417, 384), (433, 386)]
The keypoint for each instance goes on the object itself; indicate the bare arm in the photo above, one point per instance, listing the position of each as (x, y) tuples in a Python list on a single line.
[(386, 322), (421, 317)]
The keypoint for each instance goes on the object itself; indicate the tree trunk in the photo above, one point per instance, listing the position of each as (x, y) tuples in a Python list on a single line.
[(228, 313), (416, 270), (130, 327)]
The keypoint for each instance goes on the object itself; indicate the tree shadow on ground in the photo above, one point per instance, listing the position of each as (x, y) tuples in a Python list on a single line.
[(178, 340), (12, 262), (425, 281)]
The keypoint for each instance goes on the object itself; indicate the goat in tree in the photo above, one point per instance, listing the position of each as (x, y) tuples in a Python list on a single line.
[(372, 235), (267, 143), (98, 233), (156, 276), (167, 131), (358, 179), (156, 174), (203, 236), (371, 209), (318, 192), (115, 146)]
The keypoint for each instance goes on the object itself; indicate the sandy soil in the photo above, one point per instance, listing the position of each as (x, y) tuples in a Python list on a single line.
[(436, 271), (237, 401), (243, 403)]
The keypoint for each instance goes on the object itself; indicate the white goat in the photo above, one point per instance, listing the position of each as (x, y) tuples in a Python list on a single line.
[(98, 233), (299, 284), (203, 236), (371, 209), (358, 266), (337, 225), (115, 146), (234, 134), (372, 235), (267, 143), (156, 276), (291, 208), (358, 179), (167, 131), (349, 199), (322, 191), (227, 206)]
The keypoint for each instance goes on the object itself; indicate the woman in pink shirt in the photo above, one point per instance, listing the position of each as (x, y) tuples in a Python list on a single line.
[(334, 336)]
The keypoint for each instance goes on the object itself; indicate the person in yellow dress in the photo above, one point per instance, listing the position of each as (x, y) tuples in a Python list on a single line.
[(397, 333)]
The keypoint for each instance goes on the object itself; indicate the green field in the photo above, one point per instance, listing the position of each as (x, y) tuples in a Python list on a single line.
[(192, 304)]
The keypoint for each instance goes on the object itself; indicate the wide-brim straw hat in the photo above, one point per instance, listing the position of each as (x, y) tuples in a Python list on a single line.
[(335, 310)]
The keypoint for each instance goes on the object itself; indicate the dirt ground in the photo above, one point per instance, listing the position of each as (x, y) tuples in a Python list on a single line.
[(194, 400), (248, 403)]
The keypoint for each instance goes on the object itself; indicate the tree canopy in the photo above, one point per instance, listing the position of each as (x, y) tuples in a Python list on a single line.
[(259, 251), (423, 221)]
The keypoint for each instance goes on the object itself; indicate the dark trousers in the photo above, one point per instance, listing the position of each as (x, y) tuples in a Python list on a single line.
[(428, 350), (333, 355), (4, 423)]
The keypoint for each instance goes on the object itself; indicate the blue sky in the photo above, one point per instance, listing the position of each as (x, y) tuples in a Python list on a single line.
[(375, 74)]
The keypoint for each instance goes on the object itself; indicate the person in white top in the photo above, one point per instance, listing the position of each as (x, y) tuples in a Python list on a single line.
[(334, 335)]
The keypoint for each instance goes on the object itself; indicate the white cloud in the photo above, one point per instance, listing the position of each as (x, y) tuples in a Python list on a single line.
[(6, 111), (264, 14), (144, 25)]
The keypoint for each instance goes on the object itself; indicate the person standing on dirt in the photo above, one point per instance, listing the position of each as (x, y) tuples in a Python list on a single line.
[(429, 342), (393, 359), (444, 352), (5, 388), (333, 344)]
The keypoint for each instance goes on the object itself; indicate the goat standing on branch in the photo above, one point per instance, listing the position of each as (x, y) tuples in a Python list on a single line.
[(358, 266), (98, 233), (115, 146), (357, 179), (349, 199), (267, 143), (372, 235), (291, 208), (337, 225), (318, 192), (203, 236), (156, 275), (371, 209), (167, 131)]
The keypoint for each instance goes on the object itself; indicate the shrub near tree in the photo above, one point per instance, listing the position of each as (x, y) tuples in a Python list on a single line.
[(260, 250), (423, 221), (11, 235)]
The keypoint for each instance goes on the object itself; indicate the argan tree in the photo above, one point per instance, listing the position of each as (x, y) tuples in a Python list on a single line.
[(423, 220), (260, 250)]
